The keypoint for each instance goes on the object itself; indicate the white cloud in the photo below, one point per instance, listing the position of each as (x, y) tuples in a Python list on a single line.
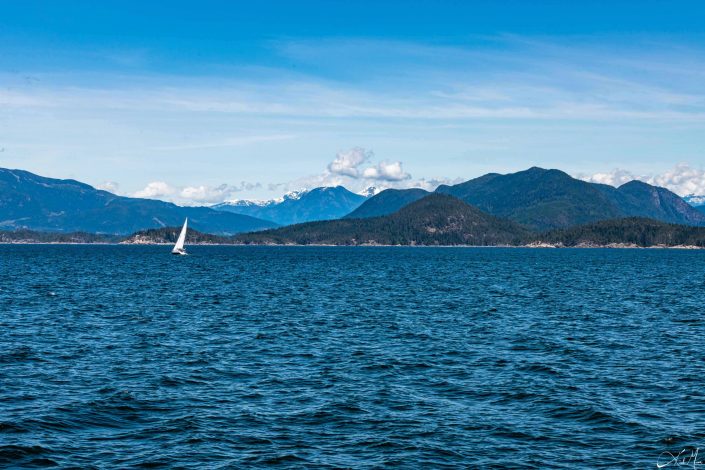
[(682, 179), (193, 195), (156, 190), (349, 169), (204, 193), (346, 163), (209, 194), (616, 177), (386, 171)]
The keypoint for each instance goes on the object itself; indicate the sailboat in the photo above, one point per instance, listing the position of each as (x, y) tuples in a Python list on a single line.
[(179, 247)]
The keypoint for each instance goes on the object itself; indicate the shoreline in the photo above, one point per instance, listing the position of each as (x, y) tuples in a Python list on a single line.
[(616, 246)]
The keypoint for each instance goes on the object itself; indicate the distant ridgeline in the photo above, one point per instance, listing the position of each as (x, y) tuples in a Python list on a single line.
[(32, 202), (535, 207)]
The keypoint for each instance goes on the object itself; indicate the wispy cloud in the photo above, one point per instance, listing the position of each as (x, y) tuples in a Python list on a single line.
[(226, 142), (323, 102), (512, 78), (536, 97)]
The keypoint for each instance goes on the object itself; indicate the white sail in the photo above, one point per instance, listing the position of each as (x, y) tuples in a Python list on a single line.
[(179, 247)]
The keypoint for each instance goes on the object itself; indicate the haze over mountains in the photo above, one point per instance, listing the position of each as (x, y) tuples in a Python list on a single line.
[(535, 199)]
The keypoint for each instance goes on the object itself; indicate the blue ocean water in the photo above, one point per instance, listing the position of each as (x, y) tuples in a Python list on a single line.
[(126, 356)]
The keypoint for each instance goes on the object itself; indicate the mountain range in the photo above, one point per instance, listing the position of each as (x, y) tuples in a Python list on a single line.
[(536, 199), (440, 219), (303, 206), (547, 199), (29, 201)]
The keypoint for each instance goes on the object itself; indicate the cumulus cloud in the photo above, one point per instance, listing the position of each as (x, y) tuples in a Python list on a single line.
[(682, 179), (355, 170), (347, 163), (386, 171), (616, 177)]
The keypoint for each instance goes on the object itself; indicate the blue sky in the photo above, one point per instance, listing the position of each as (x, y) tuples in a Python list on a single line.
[(205, 101)]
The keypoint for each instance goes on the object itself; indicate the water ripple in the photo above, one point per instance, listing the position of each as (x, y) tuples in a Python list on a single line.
[(114, 357)]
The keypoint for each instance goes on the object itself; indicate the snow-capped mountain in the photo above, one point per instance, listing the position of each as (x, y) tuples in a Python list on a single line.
[(292, 195), (245, 203), (299, 206)]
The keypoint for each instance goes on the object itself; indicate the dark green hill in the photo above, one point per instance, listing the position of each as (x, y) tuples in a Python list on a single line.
[(548, 199), (434, 220), (541, 199), (387, 202), (630, 231)]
